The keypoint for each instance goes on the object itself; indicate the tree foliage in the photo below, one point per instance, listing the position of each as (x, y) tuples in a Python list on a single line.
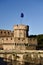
[(40, 41)]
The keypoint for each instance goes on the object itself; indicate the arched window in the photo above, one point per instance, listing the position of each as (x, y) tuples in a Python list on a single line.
[(8, 33), (4, 32)]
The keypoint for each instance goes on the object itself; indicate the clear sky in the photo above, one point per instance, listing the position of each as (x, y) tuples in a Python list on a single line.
[(10, 11)]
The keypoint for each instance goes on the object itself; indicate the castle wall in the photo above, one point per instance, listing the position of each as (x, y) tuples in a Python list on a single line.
[(21, 37), (7, 43), (6, 33), (17, 39)]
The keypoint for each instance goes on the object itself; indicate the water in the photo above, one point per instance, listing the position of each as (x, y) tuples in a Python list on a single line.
[(2, 62), (19, 63), (15, 63)]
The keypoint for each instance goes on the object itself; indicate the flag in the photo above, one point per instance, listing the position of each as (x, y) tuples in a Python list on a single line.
[(22, 15)]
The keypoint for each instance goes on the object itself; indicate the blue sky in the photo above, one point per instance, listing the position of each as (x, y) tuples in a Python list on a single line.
[(10, 11)]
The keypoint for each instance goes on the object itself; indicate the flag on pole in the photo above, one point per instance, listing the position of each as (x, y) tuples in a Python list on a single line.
[(22, 15)]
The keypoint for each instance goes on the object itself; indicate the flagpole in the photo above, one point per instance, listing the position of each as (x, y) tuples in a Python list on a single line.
[(22, 15)]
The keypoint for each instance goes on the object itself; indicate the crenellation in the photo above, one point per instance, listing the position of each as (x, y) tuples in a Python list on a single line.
[(6, 33)]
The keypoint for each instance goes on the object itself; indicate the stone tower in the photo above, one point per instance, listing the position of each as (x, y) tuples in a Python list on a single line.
[(20, 36), (21, 31)]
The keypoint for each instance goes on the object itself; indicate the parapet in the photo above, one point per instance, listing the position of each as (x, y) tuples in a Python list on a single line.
[(21, 27), (6, 33)]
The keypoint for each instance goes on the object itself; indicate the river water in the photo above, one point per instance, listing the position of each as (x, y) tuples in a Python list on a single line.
[(15, 63), (20, 63)]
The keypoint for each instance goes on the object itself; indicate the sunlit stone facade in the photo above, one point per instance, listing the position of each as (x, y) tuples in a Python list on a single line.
[(17, 39)]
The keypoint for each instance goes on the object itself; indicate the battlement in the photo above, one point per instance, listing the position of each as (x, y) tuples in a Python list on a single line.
[(21, 27), (6, 33), (21, 30)]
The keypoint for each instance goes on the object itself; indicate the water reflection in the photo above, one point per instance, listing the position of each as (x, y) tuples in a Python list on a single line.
[(15, 63), (2, 62), (19, 63)]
